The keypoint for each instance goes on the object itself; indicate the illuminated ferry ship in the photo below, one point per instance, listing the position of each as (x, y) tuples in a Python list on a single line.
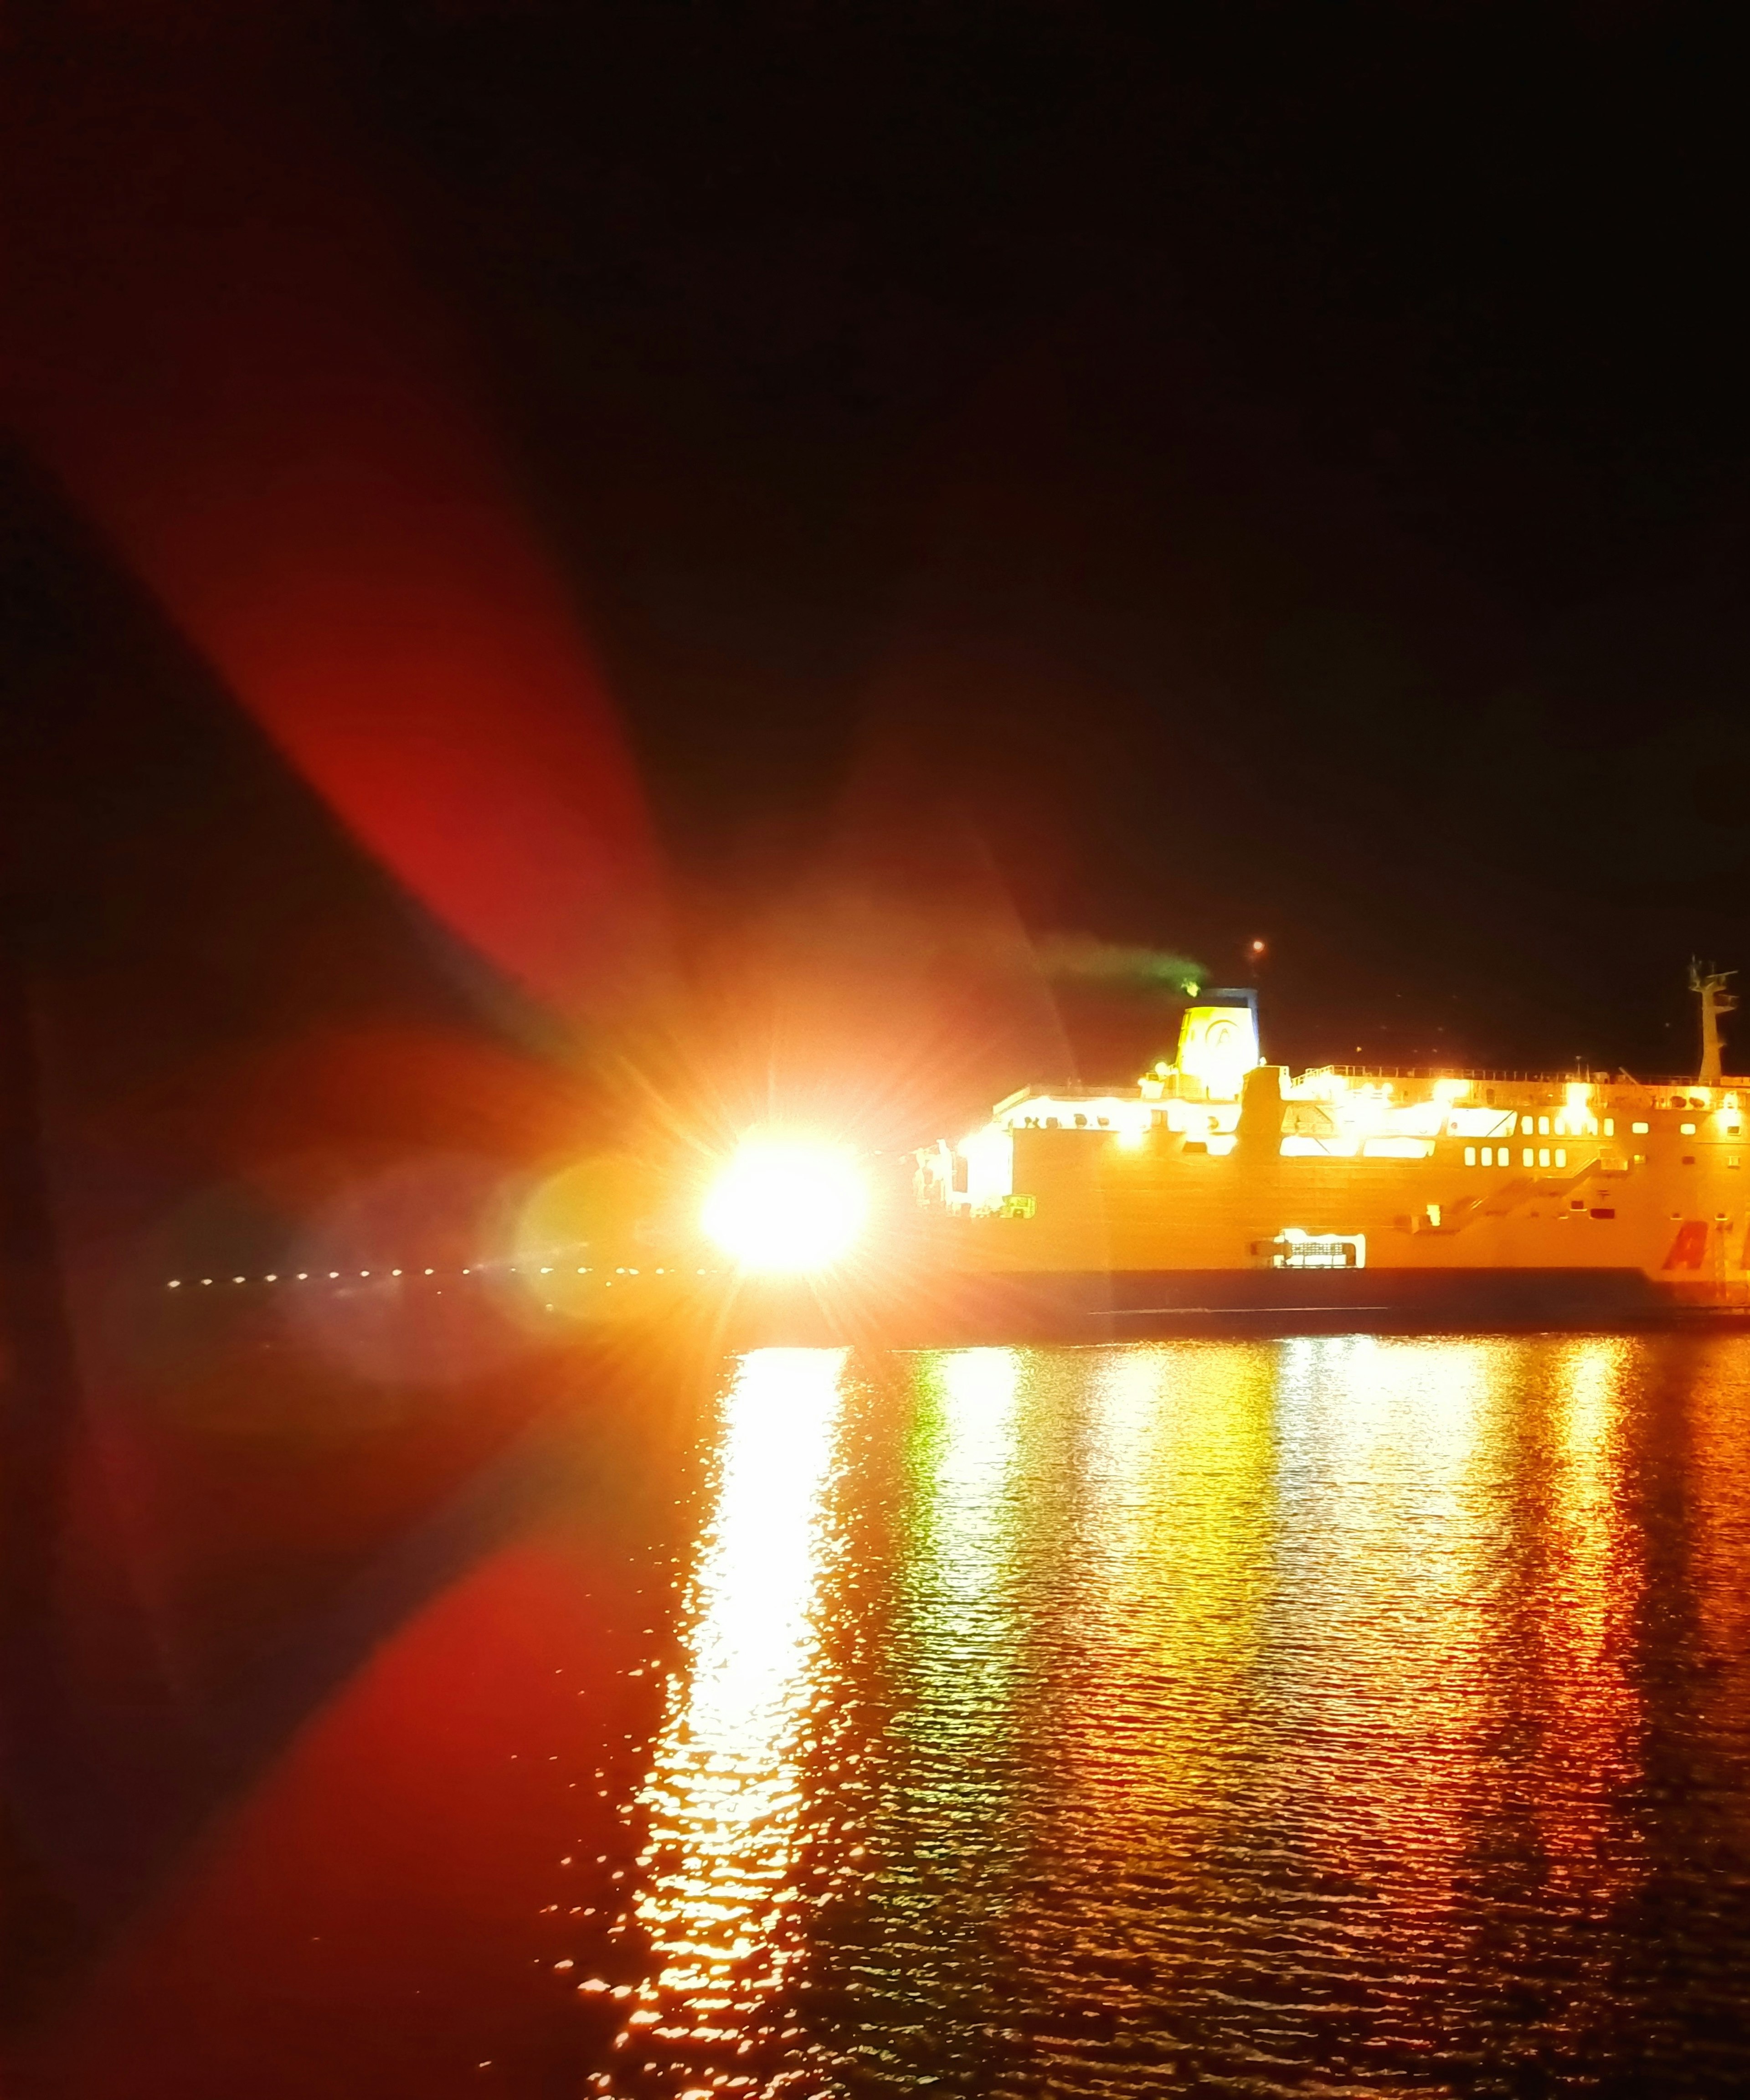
[(1220, 1183)]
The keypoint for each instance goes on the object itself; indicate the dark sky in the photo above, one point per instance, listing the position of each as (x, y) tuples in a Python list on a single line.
[(1273, 471), (1170, 475)]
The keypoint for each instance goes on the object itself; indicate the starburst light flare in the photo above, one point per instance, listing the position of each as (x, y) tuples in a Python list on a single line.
[(786, 1205)]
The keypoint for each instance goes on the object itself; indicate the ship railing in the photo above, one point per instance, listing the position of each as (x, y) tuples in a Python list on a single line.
[(1678, 1083), (1460, 1072)]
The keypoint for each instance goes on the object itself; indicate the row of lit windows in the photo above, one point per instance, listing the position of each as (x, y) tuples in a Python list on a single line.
[(1539, 1126), (1501, 1155), (1639, 1129)]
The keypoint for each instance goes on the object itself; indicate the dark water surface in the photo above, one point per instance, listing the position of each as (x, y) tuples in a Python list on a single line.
[(1321, 1716)]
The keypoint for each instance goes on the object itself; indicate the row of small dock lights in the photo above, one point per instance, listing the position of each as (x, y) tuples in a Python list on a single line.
[(339, 1275)]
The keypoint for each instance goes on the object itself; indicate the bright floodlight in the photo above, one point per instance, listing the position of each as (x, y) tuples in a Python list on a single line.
[(786, 1203)]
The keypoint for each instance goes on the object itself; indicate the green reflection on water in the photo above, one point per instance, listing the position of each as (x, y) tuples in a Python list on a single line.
[(945, 1845)]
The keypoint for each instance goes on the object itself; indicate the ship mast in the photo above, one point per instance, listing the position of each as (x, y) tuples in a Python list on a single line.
[(1709, 984)]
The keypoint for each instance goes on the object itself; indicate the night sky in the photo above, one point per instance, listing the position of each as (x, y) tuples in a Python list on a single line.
[(1168, 476)]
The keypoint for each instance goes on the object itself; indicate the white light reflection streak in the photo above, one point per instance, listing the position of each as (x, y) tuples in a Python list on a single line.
[(724, 1797)]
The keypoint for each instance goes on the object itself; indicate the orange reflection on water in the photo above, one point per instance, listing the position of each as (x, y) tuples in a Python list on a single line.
[(1719, 1494), (723, 1798), (1586, 1602), (1719, 1491)]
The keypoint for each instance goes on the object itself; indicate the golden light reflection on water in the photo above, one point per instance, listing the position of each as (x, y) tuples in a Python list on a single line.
[(724, 1798), (1179, 1515), (1174, 1560)]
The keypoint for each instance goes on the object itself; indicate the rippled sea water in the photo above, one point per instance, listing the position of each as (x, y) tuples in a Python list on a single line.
[(1321, 1716)]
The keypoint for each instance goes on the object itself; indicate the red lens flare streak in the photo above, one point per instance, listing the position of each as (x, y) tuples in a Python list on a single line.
[(219, 347)]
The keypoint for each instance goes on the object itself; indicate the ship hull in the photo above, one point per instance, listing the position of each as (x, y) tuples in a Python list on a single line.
[(949, 1310), (1139, 1302)]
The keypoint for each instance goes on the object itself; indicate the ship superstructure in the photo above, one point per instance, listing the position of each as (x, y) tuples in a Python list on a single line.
[(1220, 1178)]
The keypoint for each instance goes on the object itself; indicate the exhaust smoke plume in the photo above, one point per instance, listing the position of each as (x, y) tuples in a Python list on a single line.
[(1082, 958)]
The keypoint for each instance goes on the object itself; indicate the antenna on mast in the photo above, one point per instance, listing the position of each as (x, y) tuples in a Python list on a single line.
[(1709, 984)]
